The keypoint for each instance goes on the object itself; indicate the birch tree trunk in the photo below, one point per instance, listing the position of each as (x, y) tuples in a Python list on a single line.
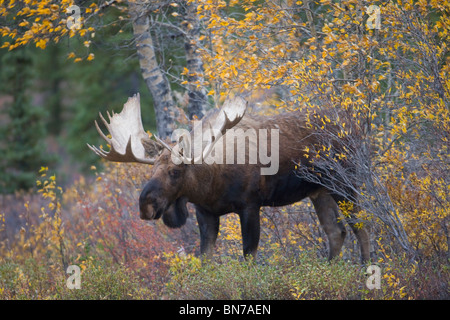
[(157, 82), (196, 89)]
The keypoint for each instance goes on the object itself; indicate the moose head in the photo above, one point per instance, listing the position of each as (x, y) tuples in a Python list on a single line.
[(174, 168)]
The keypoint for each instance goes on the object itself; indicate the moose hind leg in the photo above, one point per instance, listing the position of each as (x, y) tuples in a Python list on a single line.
[(328, 213), (359, 230), (363, 239)]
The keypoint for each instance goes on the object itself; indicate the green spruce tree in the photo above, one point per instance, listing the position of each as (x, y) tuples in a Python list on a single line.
[(22, 131)]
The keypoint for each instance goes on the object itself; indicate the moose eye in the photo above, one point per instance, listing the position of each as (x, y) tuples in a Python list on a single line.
[(174, 173)]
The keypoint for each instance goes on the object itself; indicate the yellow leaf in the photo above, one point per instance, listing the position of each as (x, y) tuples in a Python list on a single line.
[(43, 169), (41, 44), (233, 68)]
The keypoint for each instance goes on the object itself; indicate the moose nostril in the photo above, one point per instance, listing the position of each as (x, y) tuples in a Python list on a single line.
[(147, 198)]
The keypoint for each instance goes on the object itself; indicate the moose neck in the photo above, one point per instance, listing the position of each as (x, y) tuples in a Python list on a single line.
[(200, 186)]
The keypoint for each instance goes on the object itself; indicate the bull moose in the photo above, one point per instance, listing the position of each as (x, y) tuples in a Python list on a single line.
[(181, 173)]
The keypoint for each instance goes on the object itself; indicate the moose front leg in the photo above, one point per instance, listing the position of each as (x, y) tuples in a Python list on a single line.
[(208, 224), (250, 229)]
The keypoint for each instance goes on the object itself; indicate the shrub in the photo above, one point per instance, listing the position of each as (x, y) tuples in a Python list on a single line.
[(107, 281), (226, 279), (99, 280), (27, 280), (302, 277)]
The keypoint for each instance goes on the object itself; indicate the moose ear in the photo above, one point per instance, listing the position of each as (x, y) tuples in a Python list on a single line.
[(152, 148), (177, 213)]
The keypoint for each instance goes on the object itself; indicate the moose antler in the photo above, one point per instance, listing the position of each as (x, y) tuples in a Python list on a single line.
[(129, 142), (213, 127)]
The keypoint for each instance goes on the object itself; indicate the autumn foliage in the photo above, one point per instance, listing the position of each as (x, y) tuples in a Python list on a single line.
[(382, 86), (385, 87)]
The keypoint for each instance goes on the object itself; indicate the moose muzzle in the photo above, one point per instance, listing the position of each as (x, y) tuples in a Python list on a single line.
[(149, 206)]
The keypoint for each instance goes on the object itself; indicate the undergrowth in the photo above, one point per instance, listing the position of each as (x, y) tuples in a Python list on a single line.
[(96, 226)]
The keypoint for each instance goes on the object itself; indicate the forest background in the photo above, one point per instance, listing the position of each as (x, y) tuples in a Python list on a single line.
[(380, 68)]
